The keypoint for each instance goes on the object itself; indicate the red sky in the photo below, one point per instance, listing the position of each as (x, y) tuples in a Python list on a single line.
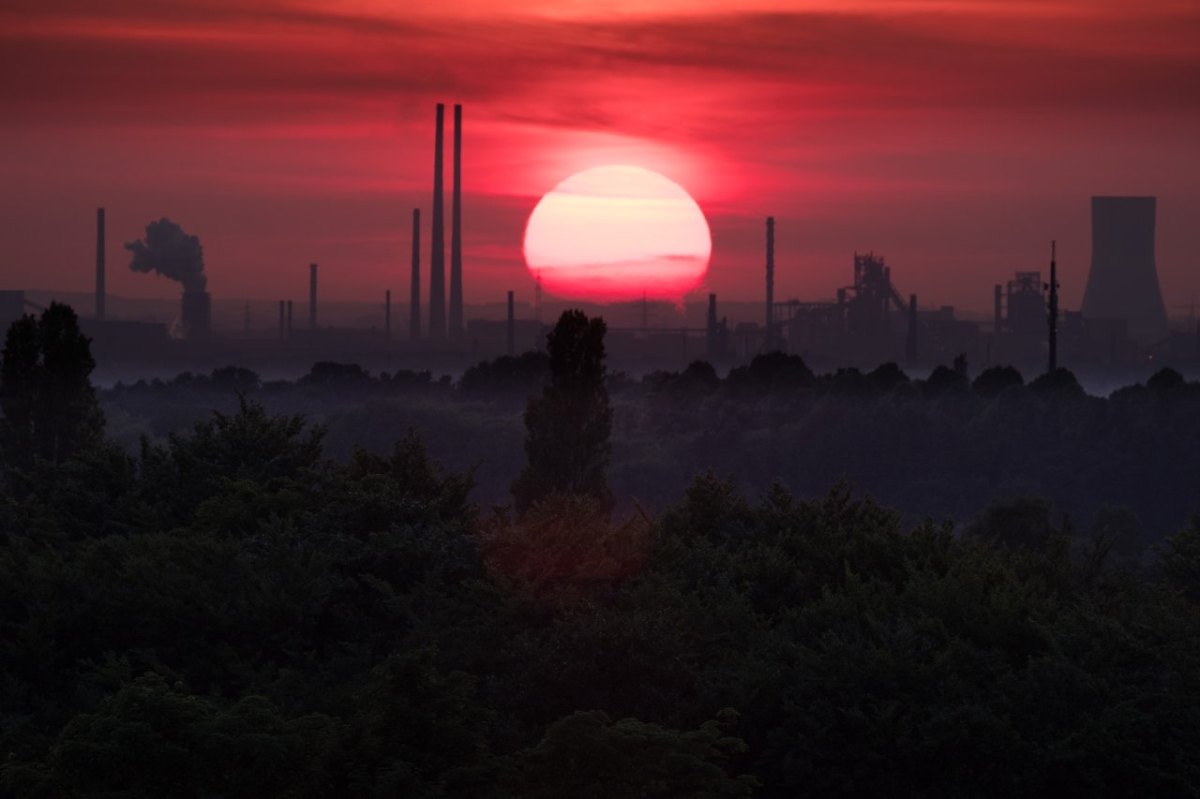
[(956, 137)]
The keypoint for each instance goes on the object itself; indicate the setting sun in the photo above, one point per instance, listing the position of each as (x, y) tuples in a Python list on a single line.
[(618, 233)]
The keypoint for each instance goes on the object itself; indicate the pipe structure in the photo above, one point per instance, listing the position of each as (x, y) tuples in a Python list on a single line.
[(770, 336), (312, 296), (511, 329), (414, 303), (282, 321), (997, 313), (456, 287), (1052, 316), (100, 290), (710, 326), (437, 258), (289, 320), (912, 329), (387, 313)]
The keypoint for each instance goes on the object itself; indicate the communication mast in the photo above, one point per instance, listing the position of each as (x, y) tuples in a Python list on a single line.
[(1052, 316)]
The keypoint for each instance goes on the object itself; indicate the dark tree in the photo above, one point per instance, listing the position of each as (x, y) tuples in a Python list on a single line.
[(943, 380), (49, 405), (995, 380), (1059, 384), (569, 426)]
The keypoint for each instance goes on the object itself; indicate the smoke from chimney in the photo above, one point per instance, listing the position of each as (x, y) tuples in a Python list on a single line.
[(170, 252)]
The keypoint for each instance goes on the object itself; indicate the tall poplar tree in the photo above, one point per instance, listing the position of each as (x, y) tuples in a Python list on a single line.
[(568, 428)]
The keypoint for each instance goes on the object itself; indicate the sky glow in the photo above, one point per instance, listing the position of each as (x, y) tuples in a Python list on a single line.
[(958, 138)]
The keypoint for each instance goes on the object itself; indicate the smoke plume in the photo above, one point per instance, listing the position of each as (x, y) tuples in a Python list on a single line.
[(171, 253)]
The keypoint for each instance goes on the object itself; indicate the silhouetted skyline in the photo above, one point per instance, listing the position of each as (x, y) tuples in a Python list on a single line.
[(958, 141)]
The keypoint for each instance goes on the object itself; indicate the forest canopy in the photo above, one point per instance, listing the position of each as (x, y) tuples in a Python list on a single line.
[(227, 611)]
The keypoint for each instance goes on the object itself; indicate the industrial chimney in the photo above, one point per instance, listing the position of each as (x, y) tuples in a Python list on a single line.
[(710, 327), (387, 314), (770, 336), (197, 314), (437, 259), (1123, 281), (456, 288), (912, 343), (312, 296), (511, 329), (100, 264), (1052, 314), (414, 304)]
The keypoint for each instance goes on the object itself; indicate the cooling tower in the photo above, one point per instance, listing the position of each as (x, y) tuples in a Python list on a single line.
[(1123, 281)]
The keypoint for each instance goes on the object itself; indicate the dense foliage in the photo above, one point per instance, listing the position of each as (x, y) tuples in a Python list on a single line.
[(228, 612), (249, 619)]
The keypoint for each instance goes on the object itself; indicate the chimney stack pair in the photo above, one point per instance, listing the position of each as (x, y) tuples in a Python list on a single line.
[(437, 290)]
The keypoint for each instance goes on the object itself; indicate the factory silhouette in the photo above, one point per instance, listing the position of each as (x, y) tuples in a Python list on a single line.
[(1122, 325)]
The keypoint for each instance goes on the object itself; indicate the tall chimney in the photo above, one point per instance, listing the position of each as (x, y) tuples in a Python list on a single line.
[(997, 314), (100, 264), (414, 303), (710, 326), (456, 288), (437, 259), (512, 327), (912, 329), (282, 322), (289, 320), (387, 314), (312, 296), (770, 337), (1052, 317)]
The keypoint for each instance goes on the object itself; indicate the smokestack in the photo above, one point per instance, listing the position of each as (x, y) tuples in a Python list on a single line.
[(414, 303), (282, 321), (770, 339), (512, 327), (1123, 281), (387, 314), (289, 320), (312, 296), (437, 265), (997, 314), (100, 264), (196, 314), (912, 329), (1052, 316), (710, 326), (456, 289)]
